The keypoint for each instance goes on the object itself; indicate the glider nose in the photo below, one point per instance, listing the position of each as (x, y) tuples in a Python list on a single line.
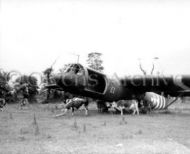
[(64, 79), (70, 80)]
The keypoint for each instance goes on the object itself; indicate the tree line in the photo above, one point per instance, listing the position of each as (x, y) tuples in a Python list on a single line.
[(35, 93)]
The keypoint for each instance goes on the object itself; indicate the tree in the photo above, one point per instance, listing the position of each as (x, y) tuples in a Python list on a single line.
[(31, 82), (141, 68), (48, 80), (94, 61), (153, 66), (48, 73), (48, 94), (4, 85)]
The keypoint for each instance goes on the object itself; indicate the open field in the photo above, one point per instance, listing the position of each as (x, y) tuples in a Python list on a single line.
[(35, 131)]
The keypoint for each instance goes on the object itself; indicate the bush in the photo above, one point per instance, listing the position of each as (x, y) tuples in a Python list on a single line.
[(31, 82)]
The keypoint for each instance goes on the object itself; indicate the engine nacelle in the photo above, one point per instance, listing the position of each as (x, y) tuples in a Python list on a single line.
[(157, 102)]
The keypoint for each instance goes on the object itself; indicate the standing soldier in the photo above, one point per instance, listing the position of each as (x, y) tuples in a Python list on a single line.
[(25, 94)]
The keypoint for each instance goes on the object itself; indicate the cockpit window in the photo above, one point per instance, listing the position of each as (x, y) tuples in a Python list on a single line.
[(75, 68)]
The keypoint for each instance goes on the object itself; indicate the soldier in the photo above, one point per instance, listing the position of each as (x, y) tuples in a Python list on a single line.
[(25, 93)]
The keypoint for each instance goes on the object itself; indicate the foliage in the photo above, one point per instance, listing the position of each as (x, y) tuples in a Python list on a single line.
[(48, 73), (47, 95), (94, 61), (31, 81), (4, 86)]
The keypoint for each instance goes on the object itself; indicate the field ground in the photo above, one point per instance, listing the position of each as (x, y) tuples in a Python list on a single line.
[(34, 130)]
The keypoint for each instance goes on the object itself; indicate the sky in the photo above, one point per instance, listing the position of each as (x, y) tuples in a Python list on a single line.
[(36, 33)]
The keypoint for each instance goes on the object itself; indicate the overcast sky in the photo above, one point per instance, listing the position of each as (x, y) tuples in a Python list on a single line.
[(35, 33)]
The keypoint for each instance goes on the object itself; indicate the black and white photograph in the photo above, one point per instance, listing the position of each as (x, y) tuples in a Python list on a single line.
[(94, 77)]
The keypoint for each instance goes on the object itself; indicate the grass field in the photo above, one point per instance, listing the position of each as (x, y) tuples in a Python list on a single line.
[(34, 131)]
